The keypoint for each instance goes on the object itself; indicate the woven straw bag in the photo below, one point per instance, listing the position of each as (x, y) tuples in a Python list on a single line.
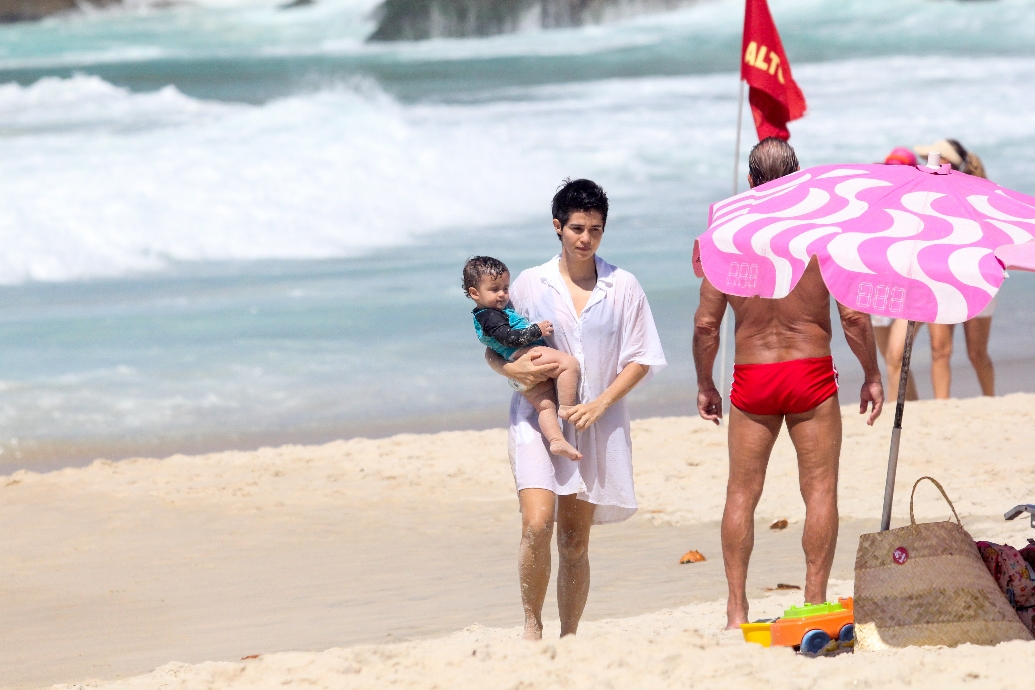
[(927, 585)]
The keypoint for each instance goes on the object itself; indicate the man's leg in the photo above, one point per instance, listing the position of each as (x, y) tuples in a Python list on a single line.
[(816, 435), (537, 512), (574, 519), (751, 439)]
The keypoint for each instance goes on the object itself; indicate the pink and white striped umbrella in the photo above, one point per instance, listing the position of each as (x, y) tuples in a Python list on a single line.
[(910, 242)]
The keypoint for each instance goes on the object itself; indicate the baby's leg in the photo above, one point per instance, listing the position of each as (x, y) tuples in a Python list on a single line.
[(566, 375), (545, 400)]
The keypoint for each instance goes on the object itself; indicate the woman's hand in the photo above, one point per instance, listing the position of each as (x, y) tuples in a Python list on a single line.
[(525, 371), (585, 415)]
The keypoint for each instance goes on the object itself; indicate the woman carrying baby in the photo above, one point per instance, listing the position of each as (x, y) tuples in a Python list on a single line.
[(600, 316)]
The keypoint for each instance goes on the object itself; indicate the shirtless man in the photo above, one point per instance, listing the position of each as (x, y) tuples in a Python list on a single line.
[(783, 371)]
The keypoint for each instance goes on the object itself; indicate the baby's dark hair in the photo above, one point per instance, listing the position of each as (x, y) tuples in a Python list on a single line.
[(477, 267), (576, 196)]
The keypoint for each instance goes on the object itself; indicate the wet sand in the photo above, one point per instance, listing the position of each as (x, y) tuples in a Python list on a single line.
[(114, 569), (149, 584)]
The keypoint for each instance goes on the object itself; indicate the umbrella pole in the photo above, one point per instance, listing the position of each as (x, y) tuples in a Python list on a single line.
[(896, 431)]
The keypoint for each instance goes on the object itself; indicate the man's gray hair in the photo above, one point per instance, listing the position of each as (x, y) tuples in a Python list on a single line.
[(771, 158)]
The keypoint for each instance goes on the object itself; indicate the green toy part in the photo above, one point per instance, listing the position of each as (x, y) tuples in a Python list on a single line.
[(812, 610)]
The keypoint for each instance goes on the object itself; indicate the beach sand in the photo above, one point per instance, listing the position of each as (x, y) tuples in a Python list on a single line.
[(398, 556)]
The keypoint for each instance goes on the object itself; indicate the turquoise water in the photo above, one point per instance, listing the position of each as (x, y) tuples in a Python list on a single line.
[(229, 225)]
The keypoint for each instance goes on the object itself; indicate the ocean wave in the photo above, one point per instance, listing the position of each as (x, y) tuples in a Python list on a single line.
[(101, 181), (83, 58), (90, 103), (694, 38)]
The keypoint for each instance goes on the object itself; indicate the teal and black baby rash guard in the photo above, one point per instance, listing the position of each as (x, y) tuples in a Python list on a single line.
[(505, 331)]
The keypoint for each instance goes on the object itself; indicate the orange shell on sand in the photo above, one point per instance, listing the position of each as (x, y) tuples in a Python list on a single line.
[(778, 525), (692, 557)]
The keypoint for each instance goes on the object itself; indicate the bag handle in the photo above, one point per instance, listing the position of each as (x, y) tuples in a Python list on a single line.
[(912, 520)]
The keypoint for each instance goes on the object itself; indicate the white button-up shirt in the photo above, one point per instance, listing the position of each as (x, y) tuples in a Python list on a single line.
[(615, 329)]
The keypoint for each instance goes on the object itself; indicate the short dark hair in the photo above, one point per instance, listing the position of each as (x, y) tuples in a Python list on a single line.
[(575, 196), (771, 159), (477, 267), (962, 153)]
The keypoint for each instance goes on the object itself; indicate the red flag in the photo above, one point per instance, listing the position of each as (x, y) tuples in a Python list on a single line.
[(774, 97)]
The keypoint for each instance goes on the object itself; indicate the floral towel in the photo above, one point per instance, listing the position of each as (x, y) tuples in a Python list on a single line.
[(1011, 571)]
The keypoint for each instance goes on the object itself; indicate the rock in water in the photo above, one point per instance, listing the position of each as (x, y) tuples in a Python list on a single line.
[(414, 20), (29, 10)]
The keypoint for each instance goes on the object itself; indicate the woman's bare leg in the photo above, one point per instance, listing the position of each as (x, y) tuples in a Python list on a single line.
[(881, 334), (537, 515), (896, 346), (574, 519), (544, 399), (941, 358), (977, 332)]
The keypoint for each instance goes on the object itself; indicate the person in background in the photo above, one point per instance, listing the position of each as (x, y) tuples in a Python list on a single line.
[(891, 333), (978, 330)]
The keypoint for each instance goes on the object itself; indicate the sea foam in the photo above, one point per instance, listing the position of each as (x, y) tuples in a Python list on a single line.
[(99, 181)]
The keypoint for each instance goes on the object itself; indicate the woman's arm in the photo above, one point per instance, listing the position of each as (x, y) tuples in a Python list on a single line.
[(524, 370), (584, 415)]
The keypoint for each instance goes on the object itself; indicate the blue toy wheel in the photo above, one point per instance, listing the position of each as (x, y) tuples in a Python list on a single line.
[(847, 634), (814, 643)]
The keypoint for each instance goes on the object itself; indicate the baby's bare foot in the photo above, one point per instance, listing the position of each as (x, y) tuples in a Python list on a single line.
[(561, 447)]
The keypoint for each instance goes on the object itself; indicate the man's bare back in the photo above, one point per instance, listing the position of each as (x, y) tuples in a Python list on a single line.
[(779, 330)]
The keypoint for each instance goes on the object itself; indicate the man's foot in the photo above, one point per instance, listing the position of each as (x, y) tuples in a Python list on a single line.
[(735, 615), (561, 447), (532, 632)]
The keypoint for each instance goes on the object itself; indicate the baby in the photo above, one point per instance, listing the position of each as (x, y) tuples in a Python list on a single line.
[(487, 282)]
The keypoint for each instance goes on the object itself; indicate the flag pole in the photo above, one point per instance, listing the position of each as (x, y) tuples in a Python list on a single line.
[(736, 153), (724, 331)]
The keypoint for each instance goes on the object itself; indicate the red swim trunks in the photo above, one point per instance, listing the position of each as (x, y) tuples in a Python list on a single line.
[(784, 387)]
